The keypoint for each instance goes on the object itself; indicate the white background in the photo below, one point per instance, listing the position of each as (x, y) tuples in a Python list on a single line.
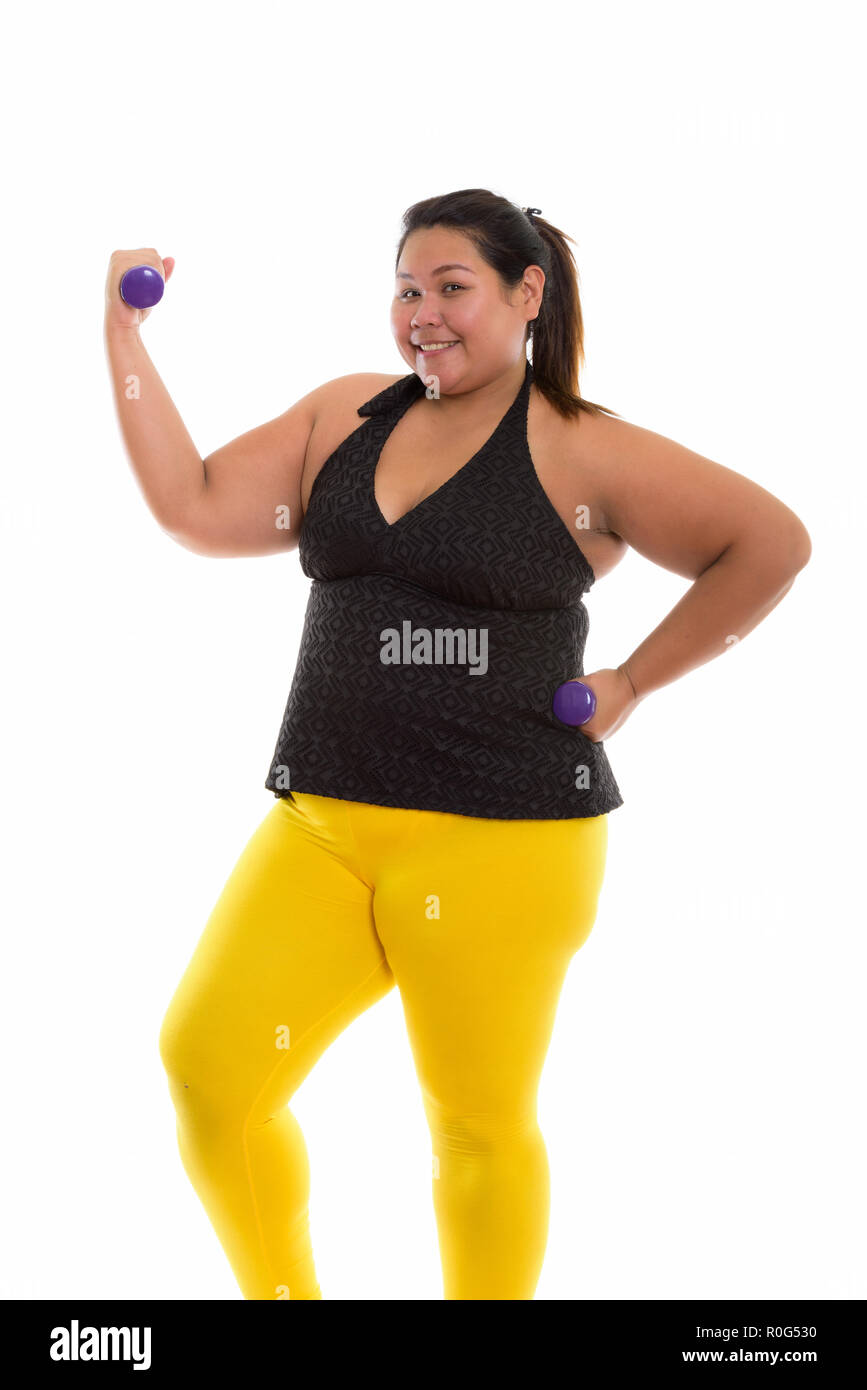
[(702, 1101)]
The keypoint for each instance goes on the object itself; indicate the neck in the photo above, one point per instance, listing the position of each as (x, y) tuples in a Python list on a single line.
[(490, 397)]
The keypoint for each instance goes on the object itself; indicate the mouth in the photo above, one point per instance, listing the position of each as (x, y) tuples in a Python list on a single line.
[(430, 349)]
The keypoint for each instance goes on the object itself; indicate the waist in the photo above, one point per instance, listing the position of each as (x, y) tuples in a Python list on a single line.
[(389, 637), (402, 697)]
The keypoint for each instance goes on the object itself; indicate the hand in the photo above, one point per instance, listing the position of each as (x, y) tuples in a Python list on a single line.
[(119, 314), (615, 701)]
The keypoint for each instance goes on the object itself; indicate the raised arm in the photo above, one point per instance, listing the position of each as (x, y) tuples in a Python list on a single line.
[(243, 499)]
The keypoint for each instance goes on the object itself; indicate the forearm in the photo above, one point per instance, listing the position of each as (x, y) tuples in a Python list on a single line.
[(726, 602), (166, 462)]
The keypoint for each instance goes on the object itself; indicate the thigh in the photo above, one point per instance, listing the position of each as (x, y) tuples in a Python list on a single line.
[(480, 922), (289, 955)]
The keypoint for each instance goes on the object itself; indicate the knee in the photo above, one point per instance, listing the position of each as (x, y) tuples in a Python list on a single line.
[(213, 1079), (170, 1043), (184, 1054), (479, 1131)]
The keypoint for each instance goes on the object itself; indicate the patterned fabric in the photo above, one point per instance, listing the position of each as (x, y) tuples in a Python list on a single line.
[(431, 648)]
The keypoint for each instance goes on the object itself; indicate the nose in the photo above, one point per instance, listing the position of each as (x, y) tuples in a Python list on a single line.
[(425, 316)]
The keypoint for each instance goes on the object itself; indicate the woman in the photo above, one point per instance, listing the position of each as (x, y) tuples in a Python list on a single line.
[(435, 826)]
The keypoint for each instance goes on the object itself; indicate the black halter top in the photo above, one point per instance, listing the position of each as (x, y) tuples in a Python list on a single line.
[(432, 647)]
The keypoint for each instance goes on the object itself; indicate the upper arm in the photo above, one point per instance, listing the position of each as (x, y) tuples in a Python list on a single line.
[(250, 502), (676, 507)]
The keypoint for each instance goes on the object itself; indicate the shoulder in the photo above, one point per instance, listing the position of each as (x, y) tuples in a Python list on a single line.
[(579, 451), (617, 456), (347, 393), (636, 476), (592, 438)]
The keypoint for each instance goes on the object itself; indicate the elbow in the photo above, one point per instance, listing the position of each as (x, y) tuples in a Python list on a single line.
[(786, 542), (783, 548), (802, 548)]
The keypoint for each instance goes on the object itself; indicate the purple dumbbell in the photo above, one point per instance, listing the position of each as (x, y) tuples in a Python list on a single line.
[(574, 703), (142, 287)]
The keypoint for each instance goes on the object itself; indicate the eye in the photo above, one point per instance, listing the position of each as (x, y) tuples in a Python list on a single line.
[(446, 286)]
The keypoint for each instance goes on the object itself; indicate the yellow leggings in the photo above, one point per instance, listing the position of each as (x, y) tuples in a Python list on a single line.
[(330, 904)]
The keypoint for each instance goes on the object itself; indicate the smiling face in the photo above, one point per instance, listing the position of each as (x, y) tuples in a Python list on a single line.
[(445, 293)]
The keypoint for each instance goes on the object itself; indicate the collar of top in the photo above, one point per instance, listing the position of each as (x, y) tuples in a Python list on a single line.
[(395, 394)]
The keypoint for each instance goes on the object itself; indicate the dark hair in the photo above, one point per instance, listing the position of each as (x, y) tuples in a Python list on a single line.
[(509, 239)]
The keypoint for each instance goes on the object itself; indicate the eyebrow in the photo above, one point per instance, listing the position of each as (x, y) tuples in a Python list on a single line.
[(453, 265)]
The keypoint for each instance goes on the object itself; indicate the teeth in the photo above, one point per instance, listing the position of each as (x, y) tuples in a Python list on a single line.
[(426, 347)]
